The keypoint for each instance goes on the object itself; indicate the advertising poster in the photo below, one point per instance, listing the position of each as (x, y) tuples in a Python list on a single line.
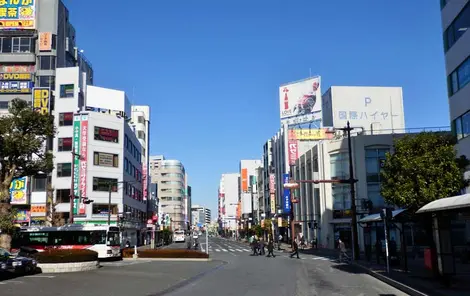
[(38, 210), (22, 216), (16, 87), (293, 151), (18, 191), (76, 171), (41, 99), (301, 99), (45, 41), (17, 14), (272, 201), (272, 183), (244, 177), (286, 196), (310, 134), (83, 161), (145, 181)]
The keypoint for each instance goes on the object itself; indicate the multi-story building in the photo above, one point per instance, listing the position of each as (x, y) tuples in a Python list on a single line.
[(200, 216), (31, 48), (455, 25), (247, 190), (98, 154), (228, 200), (170, 175)]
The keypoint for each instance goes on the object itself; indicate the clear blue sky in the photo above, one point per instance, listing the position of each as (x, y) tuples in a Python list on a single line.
[(210, 69)]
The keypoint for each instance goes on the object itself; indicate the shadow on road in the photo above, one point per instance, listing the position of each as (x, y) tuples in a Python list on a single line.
[(348, 268)]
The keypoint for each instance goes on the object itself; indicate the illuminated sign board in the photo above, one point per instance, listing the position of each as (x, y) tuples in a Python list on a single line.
[(41, 99), (16, 76), (16, 87), (17, 14)]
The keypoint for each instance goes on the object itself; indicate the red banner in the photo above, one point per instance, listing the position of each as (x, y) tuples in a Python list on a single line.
[(83, 162), (293, 151), (144, 182)]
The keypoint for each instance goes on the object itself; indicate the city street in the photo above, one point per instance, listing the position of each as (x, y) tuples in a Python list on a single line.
[(232, 271)]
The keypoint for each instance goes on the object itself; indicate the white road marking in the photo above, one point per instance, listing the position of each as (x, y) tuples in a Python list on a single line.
[(41, 276), (217, 250), (224, 250)]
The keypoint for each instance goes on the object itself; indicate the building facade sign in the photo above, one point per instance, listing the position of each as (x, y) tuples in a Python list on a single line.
[(17, 14)]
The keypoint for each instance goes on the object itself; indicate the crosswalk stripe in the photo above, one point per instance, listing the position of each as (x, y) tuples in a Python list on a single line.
[(239, 250), (246, 250), (217, 250), (224, 250)]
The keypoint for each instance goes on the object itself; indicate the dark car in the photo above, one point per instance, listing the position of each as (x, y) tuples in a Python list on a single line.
[(17, 264), (3, 267)]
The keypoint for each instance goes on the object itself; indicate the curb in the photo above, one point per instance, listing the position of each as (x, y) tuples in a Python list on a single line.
[(169, 259), (391, 282)]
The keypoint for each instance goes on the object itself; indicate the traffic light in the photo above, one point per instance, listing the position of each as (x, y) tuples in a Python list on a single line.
[(87, 201)]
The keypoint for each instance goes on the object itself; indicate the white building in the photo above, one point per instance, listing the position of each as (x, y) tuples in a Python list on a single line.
[(108, 155), (455, 24), (247, 189), (229, 194), (200, 216)]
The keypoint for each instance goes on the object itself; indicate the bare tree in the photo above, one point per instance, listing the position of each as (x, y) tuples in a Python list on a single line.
[(53, 218)]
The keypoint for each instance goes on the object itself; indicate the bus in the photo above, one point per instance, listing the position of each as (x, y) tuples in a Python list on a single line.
[(103, 239)]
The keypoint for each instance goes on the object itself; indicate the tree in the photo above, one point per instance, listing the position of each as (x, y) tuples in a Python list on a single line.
[(23, 134), (53, 218), (422, 168)]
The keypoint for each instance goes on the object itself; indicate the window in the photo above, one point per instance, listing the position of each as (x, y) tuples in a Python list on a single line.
[(102, 184), (141, 135), (141, 119), (374, 160), (47, 62), (47, 81), (39, 184), (17, 45), (373, 193), (67, 90), (126, 142), (461, 126), (459, 78), (339, 165), (4, 105), (63, 195), (126, 164), (106, 159), (458, 27), (66, 119), (64, 170), (102, 209), (106, 134), (64, 144)]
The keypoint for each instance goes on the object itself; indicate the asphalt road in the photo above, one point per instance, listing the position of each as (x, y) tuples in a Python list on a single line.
[(233, 271)]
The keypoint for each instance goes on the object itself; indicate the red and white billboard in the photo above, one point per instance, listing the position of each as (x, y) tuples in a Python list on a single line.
[(83, 161), (272, 183), (293, 149), (144, 181)]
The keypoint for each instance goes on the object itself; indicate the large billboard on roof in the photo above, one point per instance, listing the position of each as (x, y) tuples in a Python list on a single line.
[(300, 100), (17, 14)]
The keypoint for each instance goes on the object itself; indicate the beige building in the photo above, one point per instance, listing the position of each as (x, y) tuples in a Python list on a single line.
[(170, 177)]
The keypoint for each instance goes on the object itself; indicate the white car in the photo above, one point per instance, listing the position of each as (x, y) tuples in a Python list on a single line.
[(178, 236)]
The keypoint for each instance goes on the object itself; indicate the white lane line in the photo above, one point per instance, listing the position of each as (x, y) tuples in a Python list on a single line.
[(246, 250), (231, 250), (217, 250), (224, 250), (41, 276)]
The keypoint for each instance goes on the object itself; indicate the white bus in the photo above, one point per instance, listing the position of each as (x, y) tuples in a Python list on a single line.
[(103, 239)]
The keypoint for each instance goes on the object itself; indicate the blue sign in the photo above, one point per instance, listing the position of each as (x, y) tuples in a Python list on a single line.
[(16, 86), (286, 196)]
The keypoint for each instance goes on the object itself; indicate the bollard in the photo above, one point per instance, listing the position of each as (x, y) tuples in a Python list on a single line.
[(135, 252)]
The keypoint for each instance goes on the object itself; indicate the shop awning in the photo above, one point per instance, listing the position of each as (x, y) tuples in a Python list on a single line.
[(448, 203), (377, 218)]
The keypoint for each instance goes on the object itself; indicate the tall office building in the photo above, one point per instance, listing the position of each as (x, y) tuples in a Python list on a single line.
[(170, 176), (455, 25)]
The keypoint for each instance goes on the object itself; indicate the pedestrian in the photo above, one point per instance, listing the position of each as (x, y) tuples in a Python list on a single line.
[(342, 250), (295, 249), (271, 249), (279, 240), (261, 246), (254, 246)]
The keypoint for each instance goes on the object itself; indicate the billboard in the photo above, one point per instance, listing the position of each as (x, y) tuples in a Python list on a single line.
[(272, 201), (145, 181), (45, 41), (18, 14), (18, 191), (286, 195), (83, 161), (310, 134), (293, 150), (16, 87), (272, 183), (41, 99), (22, 216), (16, 76), (244, 180), (17, 68), (76, 168), (301, 99)]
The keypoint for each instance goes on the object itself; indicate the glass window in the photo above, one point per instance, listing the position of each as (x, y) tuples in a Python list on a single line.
[(47, 81), (102, 209), (102, 184), (39, 184), (373, 193), (66, 119), (64, 169), (47, 62), (63, 195), (105, 159), (64, 144), (458, 27), (466, 124), (141, 135), (373, 160), (141, 119), (6, 45), (463, 73), (458, 128), (67, 90), (106, 134), (339, 165), (4, 105)]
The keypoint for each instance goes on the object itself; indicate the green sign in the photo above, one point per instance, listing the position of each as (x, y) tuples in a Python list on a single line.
[(76, 160)]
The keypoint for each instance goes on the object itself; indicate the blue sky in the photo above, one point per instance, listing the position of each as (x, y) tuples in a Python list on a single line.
[(210, 69)]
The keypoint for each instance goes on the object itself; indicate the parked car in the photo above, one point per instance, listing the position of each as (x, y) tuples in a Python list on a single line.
[(17, 264), (3, 268)]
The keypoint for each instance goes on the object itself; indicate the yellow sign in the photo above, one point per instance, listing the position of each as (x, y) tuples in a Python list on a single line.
[(272, 200), (17, 14), (309, 134), (38, 208), (41, 99), (16, 76)]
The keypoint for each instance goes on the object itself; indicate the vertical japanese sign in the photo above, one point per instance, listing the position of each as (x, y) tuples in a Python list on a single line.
[(293, 151), (272, 183), (244, 180), (145, 181), (272, 201), (45, 41), (286, 195), (272, 192), (83, 162), (76, 161), (41, 99)]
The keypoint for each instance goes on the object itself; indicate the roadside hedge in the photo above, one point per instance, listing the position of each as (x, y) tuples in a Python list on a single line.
[(165, 253), (65, 256)]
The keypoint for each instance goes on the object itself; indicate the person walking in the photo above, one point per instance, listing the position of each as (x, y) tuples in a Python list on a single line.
[(262, 246), (279, 240), (295, 250), (271, 249)]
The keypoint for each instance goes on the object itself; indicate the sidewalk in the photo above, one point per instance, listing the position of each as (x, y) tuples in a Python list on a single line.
[(417, 281)]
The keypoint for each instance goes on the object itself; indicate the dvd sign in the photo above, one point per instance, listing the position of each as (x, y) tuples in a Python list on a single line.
[(16, 76)]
